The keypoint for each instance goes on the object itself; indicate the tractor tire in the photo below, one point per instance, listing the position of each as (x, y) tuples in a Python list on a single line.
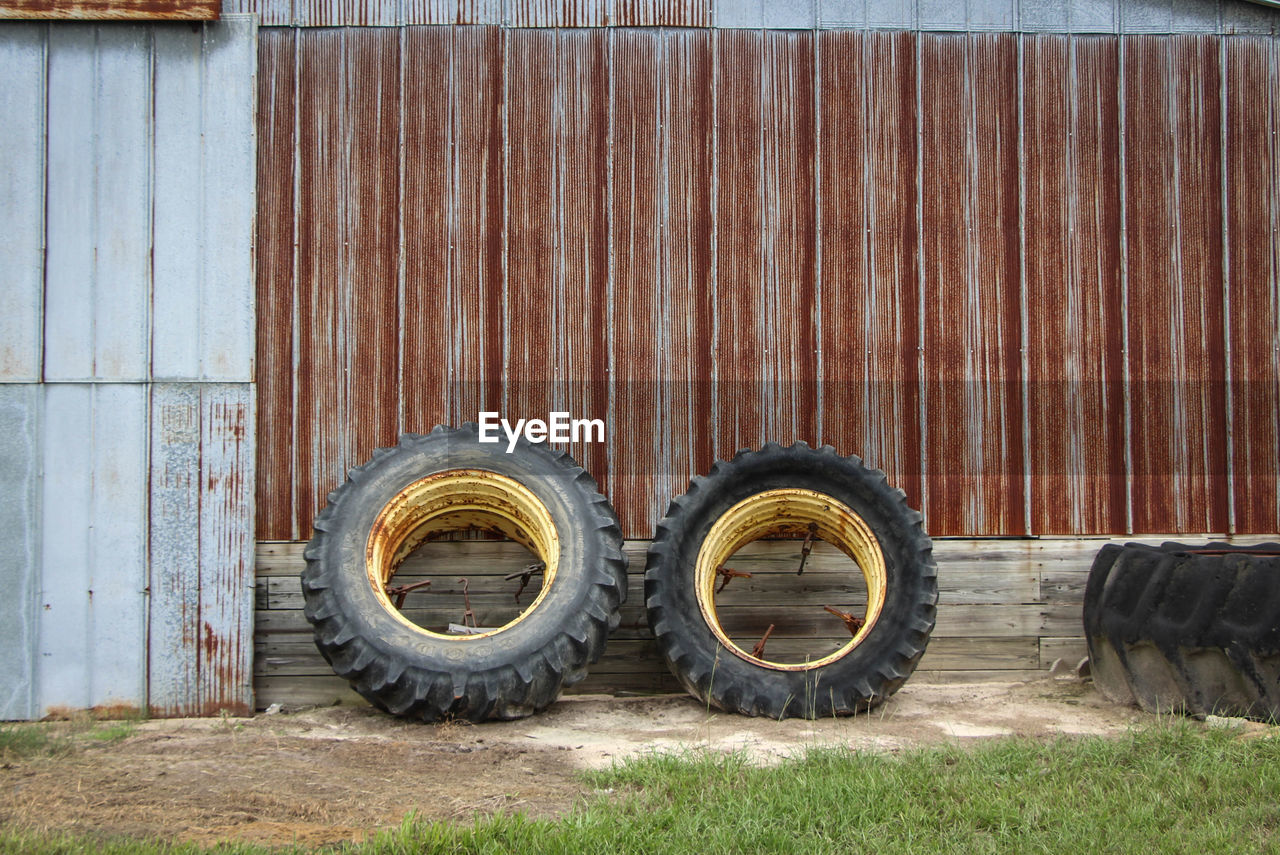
[(777, 492), (444, 481), (1187, 629)]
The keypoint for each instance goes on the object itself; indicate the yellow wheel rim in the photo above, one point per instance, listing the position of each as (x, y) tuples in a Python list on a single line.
[(452, 501), (788, 513)]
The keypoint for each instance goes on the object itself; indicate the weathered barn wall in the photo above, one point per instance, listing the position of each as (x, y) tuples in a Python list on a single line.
[(1057, 16), (126, 366), (1033, 277)]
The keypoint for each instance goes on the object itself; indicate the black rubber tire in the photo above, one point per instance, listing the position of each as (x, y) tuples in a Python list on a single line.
[(510, 675), (1174, 630), (862, 678)]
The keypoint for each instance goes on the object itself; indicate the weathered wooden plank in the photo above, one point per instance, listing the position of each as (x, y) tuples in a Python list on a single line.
[(174, 629), (20, 459), (226, 549), (1069, 650), (22, 219), (112, 10)]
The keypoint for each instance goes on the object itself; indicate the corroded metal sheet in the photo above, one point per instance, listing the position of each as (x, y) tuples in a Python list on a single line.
[(1173, 216), (22, 139), (705, 222), (200, 549), (1073, 289), (971, 410), (117, 10), (1252, 120), (739, 337), (868, 297), (636, 250), (276, 288)]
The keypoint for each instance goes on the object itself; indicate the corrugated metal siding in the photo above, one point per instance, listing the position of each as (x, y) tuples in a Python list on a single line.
[(1031, 16), (139, 144), (947, 253)]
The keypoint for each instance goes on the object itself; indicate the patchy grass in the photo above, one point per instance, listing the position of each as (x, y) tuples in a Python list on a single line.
[(1175, 787), (36, 739)]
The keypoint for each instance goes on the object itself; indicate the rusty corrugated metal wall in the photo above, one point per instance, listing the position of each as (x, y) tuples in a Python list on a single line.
[(1032, 276)]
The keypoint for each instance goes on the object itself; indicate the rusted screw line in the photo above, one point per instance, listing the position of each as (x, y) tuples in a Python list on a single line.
[(525, 576), (467, 614), (808, 545)]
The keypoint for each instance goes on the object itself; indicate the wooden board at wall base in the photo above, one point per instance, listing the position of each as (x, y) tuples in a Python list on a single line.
[(111, 10)]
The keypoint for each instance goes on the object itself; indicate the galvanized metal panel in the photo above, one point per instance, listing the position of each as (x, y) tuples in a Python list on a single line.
[(1073, 288), (225, 641), (277, 175), (93, 554), (1252, 301), (1094, 16), (1175, 296), (1241, 16), (1044, 16), (660, 13), (635, 360), (174, 632), (22, 139), (97, 280), (789, 14), (731, 14), (20, 461)]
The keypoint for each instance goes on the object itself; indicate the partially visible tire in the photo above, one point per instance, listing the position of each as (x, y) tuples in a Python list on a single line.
[(448, 480), (777, 492), (1187, 629)]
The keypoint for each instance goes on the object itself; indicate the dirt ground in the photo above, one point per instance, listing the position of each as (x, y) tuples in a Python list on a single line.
[(338, 773)]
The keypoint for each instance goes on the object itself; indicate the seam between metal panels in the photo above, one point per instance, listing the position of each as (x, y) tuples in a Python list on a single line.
[(609, 355), (400, 236), (1023, 324), (818, 354), (974, 398), (1126, 372), (921, 322), (559, 356), (1177, 358), (869, 420), (662, 136), (295, 320), (715, 240), (202, 277), (42, 300), (95, 194), (1073, 118), (1228, 409), (503, 314), (1273, 55), (453, 355)]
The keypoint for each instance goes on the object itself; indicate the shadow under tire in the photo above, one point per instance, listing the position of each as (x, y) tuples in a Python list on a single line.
[(1182, 628), (448, 480), (776, 492)]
